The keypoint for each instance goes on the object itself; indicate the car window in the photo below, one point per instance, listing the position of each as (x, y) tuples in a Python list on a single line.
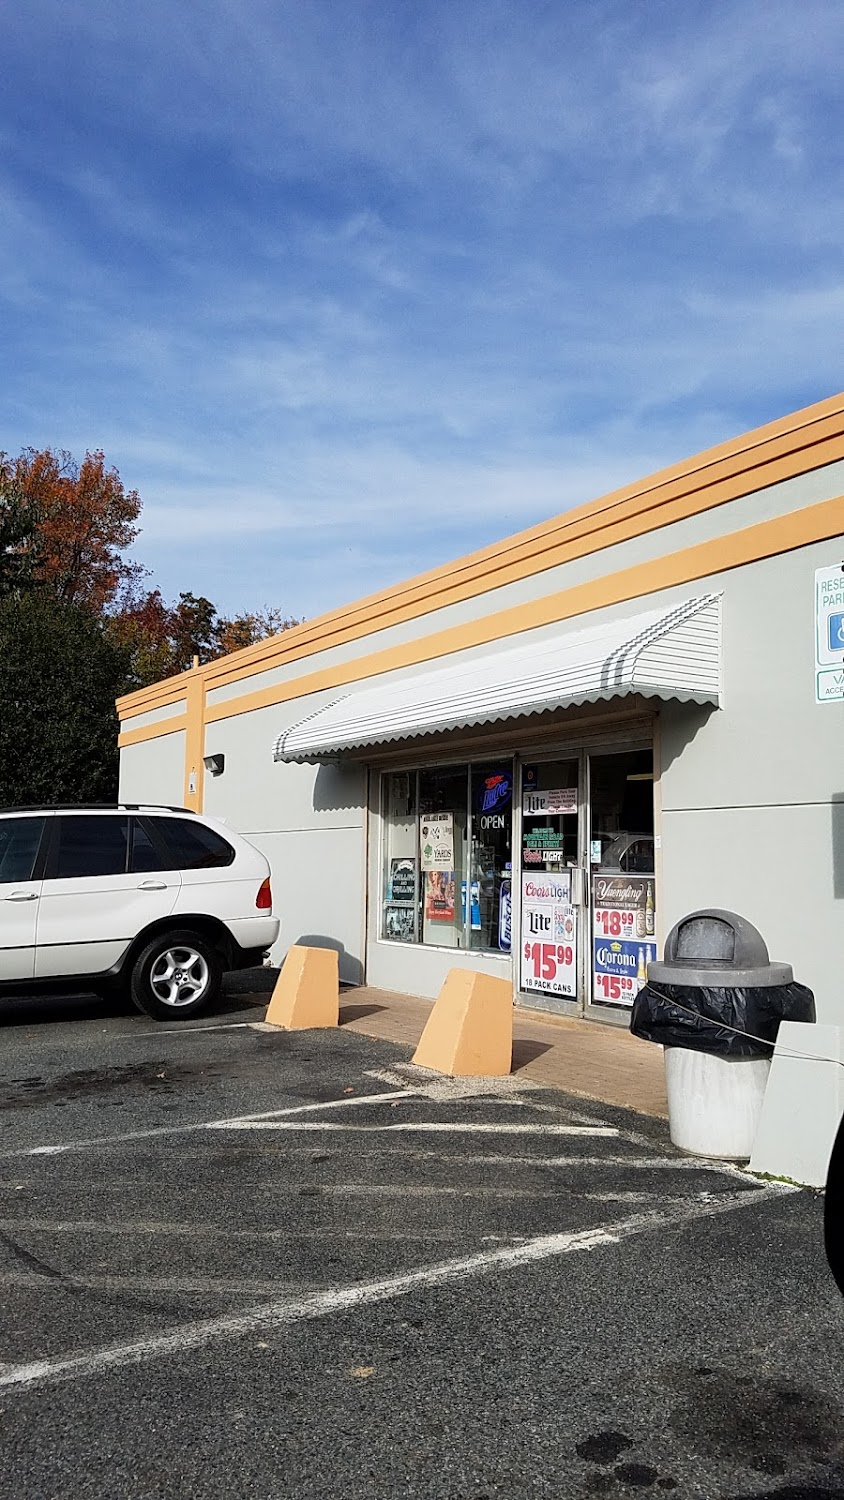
[(639, 858), (19, 841), (612, 855), (145, 855), (88, 846), (192, 846)]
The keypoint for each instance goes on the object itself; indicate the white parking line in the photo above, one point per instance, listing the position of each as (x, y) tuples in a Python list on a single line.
[(504, 1128), (637, 1163), (271, 1237), (192, 1030), (237, 1122), (220, 1286), (287, 1310)]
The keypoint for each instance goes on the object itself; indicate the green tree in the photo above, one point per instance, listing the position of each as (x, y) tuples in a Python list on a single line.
[(20, 546), (59, 676), (162, 639), (141, 627), (193, 631), (253, 626)]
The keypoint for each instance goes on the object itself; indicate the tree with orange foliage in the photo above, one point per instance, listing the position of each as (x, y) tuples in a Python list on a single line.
[(77, 627), (65, 526), (141, 627), (86, 520), (162, 639), (255, 625)]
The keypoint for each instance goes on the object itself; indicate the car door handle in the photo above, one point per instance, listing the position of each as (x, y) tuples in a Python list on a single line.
[(153, 885), (22, 896)]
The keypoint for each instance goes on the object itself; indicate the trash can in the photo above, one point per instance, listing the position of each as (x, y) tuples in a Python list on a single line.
[(715, 1002)]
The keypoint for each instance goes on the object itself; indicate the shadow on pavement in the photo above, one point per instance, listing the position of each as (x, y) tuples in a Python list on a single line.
[(525, 1052), (243, 991), (357, 1012)]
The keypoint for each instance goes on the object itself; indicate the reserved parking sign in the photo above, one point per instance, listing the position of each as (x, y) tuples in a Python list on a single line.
[(829, 634)]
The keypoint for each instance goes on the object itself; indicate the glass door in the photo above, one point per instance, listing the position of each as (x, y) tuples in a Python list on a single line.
[(551, 885), (487, 901), (622, 869)]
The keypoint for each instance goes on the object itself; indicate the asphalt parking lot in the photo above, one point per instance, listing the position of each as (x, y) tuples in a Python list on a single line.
[(238, 1262)]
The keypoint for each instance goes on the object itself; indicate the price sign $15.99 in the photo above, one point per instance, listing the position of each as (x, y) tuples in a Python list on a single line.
[(547, 957), (615, 987)]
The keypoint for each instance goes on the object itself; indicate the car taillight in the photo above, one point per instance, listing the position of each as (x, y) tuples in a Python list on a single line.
[(264, 901)]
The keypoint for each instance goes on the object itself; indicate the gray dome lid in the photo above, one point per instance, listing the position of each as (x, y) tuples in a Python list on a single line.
[(718, 949)]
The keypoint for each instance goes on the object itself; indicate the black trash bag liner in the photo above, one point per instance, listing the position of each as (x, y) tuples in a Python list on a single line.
[(657, 1016)]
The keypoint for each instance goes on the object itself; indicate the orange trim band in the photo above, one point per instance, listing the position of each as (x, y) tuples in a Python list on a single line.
[(576, 539), (800, 528), (152, 731), (784, 449), (195, 746)]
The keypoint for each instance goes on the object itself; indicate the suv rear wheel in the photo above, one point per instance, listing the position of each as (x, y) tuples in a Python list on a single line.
[(176, 975)]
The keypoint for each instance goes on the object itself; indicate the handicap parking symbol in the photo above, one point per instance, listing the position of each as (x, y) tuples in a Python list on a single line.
[(836, 632)]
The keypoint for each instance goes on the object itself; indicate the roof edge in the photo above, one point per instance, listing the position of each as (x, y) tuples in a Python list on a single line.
[(749, 450)]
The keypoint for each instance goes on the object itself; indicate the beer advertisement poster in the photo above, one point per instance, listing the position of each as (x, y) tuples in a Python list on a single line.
[(548, 958), (402, 880), (623, 941), (400, 924), (542, 845), (436, 839), (439, 895), (553, 803), (505, 916)]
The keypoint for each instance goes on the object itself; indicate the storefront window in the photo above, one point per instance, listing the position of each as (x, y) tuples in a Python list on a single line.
[(442, 851), (490, 900), (401, 857), (623, 884), (549, 815), (447, 856), (582, 872), (549, 936), (622, 832)]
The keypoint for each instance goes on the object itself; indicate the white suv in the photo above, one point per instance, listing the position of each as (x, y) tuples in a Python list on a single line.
[(157, 898)]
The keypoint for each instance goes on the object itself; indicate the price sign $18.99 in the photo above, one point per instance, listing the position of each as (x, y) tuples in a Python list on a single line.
[(614, 923)]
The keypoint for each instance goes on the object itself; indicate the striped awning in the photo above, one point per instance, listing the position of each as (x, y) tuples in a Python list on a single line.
[(665, 653)]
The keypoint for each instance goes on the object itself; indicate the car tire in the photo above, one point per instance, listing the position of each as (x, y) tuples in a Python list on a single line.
[(834, 1210), (175, 976)]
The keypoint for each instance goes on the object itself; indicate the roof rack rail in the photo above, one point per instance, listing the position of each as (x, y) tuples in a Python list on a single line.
[(41, 807)]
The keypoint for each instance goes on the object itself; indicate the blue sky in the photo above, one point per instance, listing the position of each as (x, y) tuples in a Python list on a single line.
[(346, 288)]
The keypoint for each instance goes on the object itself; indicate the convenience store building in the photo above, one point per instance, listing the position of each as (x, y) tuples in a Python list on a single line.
[(534, 760)]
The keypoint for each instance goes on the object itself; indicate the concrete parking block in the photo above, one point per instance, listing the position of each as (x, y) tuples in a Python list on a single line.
[(469, 1032), (307, 991)]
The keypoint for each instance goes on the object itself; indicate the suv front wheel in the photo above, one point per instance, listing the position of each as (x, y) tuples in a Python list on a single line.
[(176, 975)]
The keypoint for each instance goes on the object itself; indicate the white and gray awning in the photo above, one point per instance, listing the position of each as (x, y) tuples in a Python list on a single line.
[(665, 653)]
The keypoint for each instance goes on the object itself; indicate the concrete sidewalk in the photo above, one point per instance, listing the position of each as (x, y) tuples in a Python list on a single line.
[(578, 1056)]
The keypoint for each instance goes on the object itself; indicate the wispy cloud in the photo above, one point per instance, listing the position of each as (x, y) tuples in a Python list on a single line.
[(346, 290)]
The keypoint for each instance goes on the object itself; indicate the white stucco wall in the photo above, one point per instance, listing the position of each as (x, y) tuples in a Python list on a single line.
[(154, 771), (308, 820), (752, 795)]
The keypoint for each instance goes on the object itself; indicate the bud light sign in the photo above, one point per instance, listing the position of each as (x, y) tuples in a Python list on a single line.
[(548, 959)]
